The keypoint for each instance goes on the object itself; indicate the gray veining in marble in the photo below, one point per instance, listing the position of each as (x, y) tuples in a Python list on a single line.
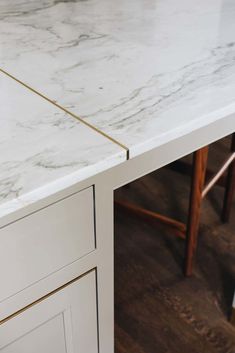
[(143, 71), (44, 150)]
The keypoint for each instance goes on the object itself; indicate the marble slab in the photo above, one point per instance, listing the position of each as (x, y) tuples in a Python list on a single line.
[(143, 71), (44, 150)]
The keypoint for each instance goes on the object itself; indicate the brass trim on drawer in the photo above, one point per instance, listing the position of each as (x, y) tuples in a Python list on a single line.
[(45, 297)]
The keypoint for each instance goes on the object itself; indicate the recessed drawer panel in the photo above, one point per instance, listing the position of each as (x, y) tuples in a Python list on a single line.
[(65, 322), (45, 241)]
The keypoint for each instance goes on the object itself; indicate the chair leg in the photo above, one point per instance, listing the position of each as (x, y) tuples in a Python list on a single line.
[(230, 187), (197, 184)]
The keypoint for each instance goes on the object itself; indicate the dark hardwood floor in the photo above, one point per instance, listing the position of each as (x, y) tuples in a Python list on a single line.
[(157, 310)]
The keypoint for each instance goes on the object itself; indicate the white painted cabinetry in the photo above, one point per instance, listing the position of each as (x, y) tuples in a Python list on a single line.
[(63, 322), (49, 270), (46, 241)]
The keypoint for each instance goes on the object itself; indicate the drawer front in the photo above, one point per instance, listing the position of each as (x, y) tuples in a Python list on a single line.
[(65, 322), (45, 241)]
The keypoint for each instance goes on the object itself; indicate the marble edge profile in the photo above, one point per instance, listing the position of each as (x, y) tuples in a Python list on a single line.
[(9, 210), (189, 127)]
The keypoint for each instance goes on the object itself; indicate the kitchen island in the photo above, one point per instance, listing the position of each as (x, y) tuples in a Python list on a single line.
[(94, 94)]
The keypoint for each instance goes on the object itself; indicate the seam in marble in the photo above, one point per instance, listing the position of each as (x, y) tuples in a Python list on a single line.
[(68, 112)]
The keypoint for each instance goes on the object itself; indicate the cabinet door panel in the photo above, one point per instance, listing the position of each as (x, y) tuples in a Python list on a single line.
[(65, 322), (49, 337)]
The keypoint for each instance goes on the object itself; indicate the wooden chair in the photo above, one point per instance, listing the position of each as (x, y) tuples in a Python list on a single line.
[(199, 189)]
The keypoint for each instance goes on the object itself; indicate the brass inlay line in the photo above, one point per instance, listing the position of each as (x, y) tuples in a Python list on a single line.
[(68, 112), (45, 297)]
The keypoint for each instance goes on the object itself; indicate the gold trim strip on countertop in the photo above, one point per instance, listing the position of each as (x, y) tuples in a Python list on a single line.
[(67, 111)]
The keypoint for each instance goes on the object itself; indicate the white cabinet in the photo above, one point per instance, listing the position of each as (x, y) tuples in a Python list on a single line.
[(45, 241), (63, 322), (43, 309)]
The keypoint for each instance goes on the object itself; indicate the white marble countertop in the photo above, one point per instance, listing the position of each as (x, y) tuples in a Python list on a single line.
[(142, 71), (43, 149)]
